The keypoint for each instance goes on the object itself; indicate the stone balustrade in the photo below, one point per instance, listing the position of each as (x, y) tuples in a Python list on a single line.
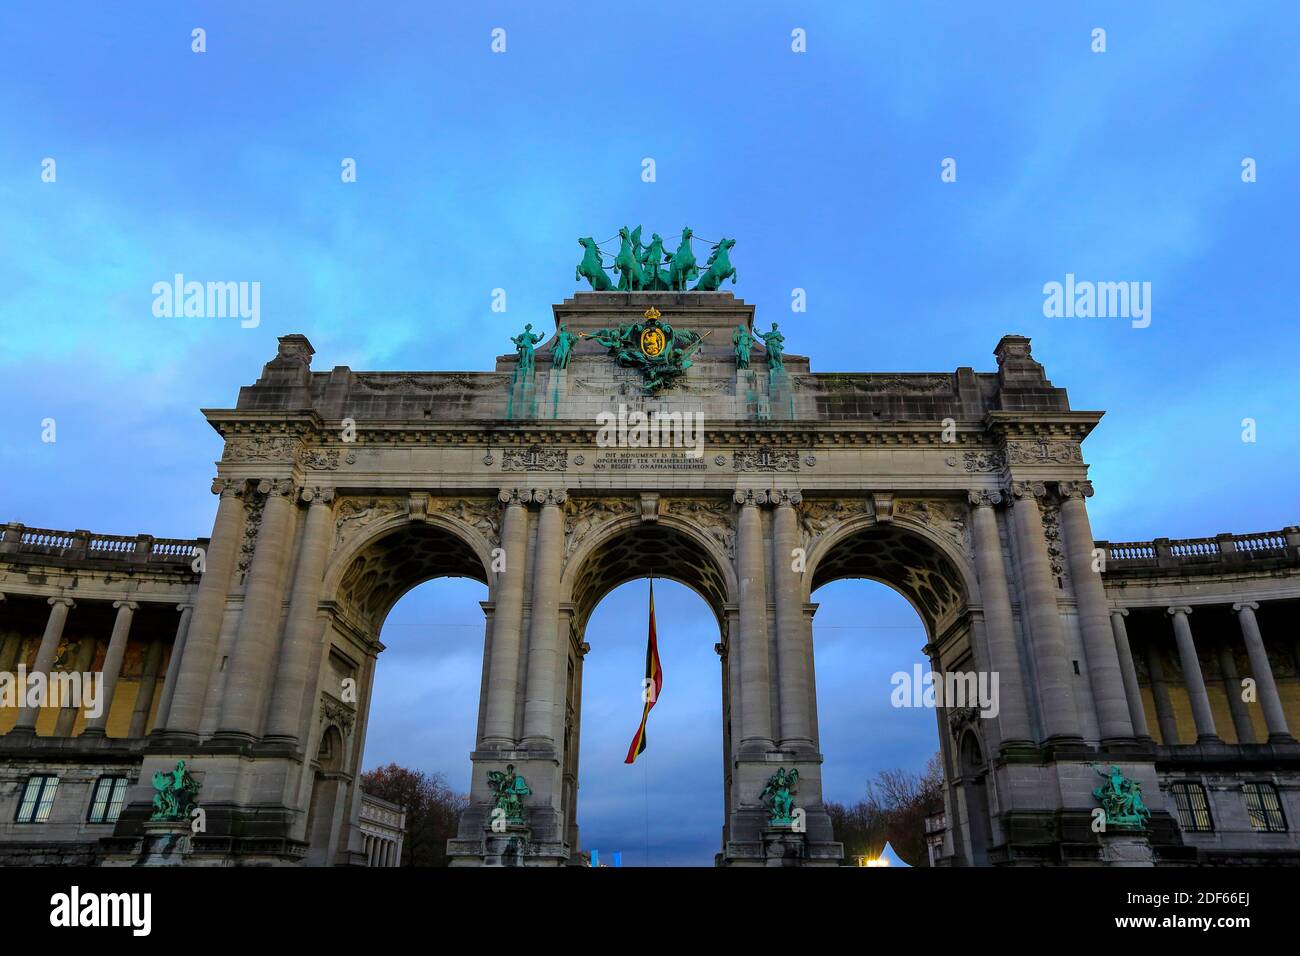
[(1219, 551), (81, 545)]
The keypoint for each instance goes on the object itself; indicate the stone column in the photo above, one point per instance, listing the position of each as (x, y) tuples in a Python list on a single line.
[(81, 662), (792, 655), (1004, 656), (1038, 591), (59, 607), (144, 695), (1113, 715), (1274, 716), (174, 664), (259, 621), (98, 726), (1160, 695), (1192, 679), (503, 679), (1232, 690), (302, 628), (755, 673), (540, 703), (1129, 673), (186, 706)]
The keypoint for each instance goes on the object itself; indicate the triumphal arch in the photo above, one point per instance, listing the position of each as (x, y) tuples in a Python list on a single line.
[(654, 432)]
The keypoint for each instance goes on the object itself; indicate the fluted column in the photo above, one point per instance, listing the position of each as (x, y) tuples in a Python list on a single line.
[(792, 652), (302, 628), (1192, 679), (1113, 713), (259, 621), (999, 626), (98, 726), (1160, 696), (59, 607), (1262, 671), (503, 672), (1060, 719), (755, 673), (186, 705), (540, 704), (1132, 692), (148, 684), (174, 664)]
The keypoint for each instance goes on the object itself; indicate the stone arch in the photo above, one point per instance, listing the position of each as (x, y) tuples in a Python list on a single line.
[(627, 548), (931, 572), (386, 558)]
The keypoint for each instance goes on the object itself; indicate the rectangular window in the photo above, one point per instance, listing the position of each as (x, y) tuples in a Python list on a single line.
[(1193, 807), (38, 798), (106, 804), (1264, 807)]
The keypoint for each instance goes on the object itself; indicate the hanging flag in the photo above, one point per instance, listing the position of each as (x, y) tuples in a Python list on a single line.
[(654, 682)]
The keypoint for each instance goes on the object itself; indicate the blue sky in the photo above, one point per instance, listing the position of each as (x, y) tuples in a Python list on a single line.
[(477, 171)]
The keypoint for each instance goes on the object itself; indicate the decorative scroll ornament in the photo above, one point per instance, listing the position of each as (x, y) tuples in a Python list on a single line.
[(324, 459), (1044, 452), (1121, 799), (279, 448), (332, 711), (976, 461), (654, 348), (780, 789), (509, 789), (534, 458), (174, 794), (765, 459)]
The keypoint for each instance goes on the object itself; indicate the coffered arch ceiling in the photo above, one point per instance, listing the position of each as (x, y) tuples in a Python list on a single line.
[(391, 565), (903, 560)]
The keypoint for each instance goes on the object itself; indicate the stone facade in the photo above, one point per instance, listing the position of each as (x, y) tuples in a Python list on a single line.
[(338, 491)]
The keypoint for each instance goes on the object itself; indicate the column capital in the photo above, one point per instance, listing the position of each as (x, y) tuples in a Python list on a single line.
[(982, 498), (1022, 490), (317, 496), (1074, 489), (129, 605), (748, 496), (228, 487), (277, 488), (1120, 611), (776, 496), (527, 496), (65, 601), (1251, 606), (185, 606), (1179, 609)]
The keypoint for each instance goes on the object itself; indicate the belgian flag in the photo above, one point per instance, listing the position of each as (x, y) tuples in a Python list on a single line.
[(654, 683)]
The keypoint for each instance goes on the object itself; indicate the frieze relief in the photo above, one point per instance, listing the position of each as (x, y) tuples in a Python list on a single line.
[(325, 459), (430, 383), (337, 713), (711, 515), (943, 515), (1052, 532), (252, 525), (981, 461), (765, 459), (586, 514), (534, 458), (281, 448), (352, 514), (482, 514), (1044, 452), (818, 516)]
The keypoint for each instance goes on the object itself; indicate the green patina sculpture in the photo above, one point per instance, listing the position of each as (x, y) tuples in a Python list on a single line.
[(718, 268), (655, 348), (591, 268), (775, 343), (510, 789), (524, 343), (781, 787), (1121, 798), (743, 342), (174, 794), (630, 276), (640, 268), (681, 264), (563, 349)]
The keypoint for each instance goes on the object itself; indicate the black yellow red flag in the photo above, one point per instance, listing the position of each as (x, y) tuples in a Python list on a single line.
[(653, 684)]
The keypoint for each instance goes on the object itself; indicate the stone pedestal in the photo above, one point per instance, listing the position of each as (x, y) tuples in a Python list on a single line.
[(1126, 848), (164, 843), (510, 847), (782, 846)]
